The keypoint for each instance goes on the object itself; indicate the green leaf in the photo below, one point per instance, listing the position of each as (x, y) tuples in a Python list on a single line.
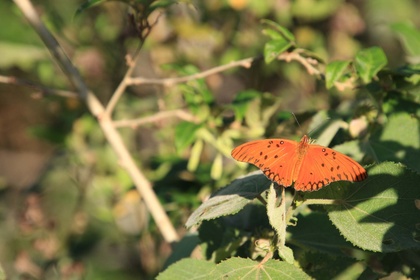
[(231, 199), (281, 40), (398, 140), (195, 155), (183, 248), (335, 71), (274, 48), (188, 269), (238, 268), (326, 266), (354, 149), (369, 62), (315, 232), (280, 30), (185, 134), (241, 102), (217, 167), (379, 214), (409, 37)]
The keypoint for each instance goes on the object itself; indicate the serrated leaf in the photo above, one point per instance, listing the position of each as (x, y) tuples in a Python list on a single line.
[(398, 140), (231, 199), (335, 71), (182, 270), (325, 266), (183, 248), (315, 232), (238, 268), (369, 62), (380, 213), (185, 134), (409, 37)]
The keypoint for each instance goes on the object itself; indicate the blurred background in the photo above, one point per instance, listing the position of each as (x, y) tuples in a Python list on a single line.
[(66, 206)]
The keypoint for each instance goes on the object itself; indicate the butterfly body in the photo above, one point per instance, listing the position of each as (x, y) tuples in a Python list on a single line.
[(306, 166)]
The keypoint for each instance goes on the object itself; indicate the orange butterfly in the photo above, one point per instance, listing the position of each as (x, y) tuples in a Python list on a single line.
[(310, 167)]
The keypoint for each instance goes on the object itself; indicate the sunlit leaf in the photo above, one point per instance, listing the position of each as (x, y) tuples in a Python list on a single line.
[(369, 62), (335, 71), (185, 134), (398, 140), (188, 269), (237, 268)]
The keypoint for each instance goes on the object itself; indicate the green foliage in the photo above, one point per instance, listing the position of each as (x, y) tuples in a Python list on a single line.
[(233, 268), (357, 102)]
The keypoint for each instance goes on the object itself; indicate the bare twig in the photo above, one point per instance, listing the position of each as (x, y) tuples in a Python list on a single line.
[(122, 86), (42, 90), (110, 132), (181, 114), (308, 63), (171, 81)]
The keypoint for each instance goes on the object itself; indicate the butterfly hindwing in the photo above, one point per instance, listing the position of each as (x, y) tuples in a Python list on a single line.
[(322, 166)]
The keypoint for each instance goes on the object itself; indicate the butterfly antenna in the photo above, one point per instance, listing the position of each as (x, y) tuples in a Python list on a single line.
[(294, 116)]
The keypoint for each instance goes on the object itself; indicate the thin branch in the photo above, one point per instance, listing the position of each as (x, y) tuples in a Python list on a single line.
[(114, 139), (123, 85), (246, 62), (41, 89), (180, 114), (307, 62)]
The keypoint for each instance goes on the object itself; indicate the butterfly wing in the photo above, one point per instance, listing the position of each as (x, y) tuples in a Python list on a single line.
[(322, 166), (275, 157)]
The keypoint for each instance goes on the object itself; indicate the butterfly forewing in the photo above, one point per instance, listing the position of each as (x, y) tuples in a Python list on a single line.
[(275, 157)]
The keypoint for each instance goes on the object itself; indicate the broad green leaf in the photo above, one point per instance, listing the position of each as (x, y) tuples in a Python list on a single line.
[(326, 266), (315, 232), (188, 269), (409, 37), (369, 62), (380, 213), (335, 71), (398, 140), (237, 268), (231, 199), (185, 134)]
